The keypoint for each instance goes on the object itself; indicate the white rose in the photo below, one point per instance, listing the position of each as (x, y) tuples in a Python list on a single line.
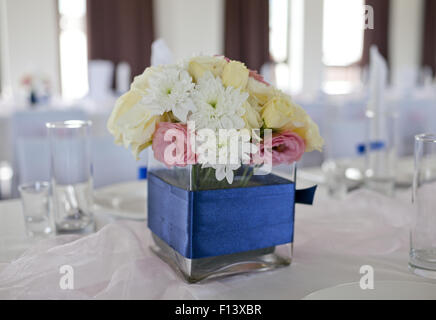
[(131, 123)]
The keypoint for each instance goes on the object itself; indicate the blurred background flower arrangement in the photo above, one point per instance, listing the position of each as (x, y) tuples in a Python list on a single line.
[(36, 88)]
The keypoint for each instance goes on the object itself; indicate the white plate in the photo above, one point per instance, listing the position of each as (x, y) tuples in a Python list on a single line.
[(125, 200), (383, 290)]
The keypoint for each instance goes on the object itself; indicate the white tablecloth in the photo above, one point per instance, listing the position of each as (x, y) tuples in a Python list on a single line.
[(333, 239)]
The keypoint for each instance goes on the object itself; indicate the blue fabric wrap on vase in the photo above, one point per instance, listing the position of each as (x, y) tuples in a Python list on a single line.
[(206, 223)]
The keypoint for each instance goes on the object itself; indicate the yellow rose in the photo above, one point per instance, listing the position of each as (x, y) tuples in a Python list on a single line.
[(251, 116), (235, 74), (199, 65), (281, 113), (310, 134), (131, 124), (260, 91)]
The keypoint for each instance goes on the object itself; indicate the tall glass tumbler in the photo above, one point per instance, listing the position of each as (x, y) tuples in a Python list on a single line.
[(423, 230), (381, 151), (71, 176)]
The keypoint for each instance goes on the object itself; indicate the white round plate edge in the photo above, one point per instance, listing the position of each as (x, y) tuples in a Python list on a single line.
[(126, 187), (368, 294)]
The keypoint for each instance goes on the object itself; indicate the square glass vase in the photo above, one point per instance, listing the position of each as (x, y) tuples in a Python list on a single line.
[(204, 228)]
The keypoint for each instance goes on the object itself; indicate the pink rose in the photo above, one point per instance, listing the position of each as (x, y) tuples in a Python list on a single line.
[(220, 55), (287, 147), (253, 74), (171, 145)]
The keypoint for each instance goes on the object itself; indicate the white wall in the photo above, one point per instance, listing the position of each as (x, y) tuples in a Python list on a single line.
[(405, 37), (29, 36), (4, 71), (313, 35), (190, 26), (306, 34)]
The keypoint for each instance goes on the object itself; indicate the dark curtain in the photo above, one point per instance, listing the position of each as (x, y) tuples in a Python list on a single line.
[(247, 31), (429, 36), (378, 35), (121, 30)]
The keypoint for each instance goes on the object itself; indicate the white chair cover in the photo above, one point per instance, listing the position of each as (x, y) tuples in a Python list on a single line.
[(100, 77), (123, 76)]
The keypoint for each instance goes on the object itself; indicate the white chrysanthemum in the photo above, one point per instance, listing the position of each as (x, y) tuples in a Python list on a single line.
[(217, 107), (169, 90), (225, 171), (225, 153)]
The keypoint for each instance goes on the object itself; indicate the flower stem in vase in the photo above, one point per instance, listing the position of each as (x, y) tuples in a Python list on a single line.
[(194, 175), (206, 175)]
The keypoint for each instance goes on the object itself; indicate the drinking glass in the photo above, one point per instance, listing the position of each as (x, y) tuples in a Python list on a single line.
[(423, 230), (71, 176), (381, 151), (343, 133), (35, 200), (336, 181)]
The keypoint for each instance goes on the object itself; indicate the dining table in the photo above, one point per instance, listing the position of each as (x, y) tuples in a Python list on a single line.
[(336, 242)]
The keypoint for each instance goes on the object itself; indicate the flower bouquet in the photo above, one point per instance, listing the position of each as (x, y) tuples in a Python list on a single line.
[(36, 88), (216, 129)]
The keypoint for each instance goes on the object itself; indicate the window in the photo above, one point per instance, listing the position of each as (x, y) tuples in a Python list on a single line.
[(278, 43), (279, 26), (342, 44), (73, 48)]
